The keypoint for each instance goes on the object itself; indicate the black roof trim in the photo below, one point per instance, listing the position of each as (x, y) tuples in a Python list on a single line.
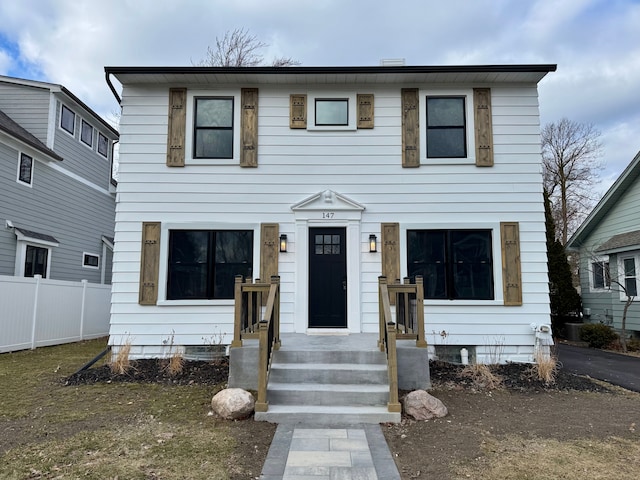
[(345, 70)]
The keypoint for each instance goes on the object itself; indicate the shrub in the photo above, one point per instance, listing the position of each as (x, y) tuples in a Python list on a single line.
[(597, 335)]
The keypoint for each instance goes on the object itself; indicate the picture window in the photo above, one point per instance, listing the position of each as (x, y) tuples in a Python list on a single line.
[(86, 135), (68, 120), (332, 111), (103, 145), (90, 260)]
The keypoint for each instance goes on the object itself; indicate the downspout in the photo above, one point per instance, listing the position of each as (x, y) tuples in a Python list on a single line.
[(107, 76)]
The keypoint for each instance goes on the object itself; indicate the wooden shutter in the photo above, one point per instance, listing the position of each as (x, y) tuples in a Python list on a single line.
[(249, 128), (298, 111), (511, 272), (365, 110), (483, 127), (410, 128), (177, 127), (391, 251), (269, 250), (149, 262)]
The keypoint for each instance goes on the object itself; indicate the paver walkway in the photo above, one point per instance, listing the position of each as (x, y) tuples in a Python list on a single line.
[(354, 452)]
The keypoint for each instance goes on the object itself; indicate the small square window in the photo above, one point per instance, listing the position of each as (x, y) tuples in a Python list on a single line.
[(332, 111), (25, 169), (103, 145), (446, 127), (68, 120), (87, 134), (213, 128), (90, 261)]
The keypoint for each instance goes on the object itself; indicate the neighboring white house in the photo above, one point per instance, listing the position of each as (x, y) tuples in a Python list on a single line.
[(439, 166), (608, 242)]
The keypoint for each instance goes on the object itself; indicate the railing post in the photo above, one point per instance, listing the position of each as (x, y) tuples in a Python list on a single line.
[(237, 314), (421, 340), (392, 361), (275, 280), (382, 280), (263, 359)]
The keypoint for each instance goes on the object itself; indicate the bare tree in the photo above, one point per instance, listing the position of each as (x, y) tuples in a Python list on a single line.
[(571, 163), (240, 48)]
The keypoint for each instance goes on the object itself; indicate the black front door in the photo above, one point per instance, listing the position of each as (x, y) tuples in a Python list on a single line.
[(327, 278)]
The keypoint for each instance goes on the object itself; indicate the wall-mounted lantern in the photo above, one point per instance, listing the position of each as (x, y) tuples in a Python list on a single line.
[(283, 243), (373, 243)]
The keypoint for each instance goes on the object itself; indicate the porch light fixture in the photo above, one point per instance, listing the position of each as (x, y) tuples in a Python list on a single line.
[(373, 243), (283, 243)]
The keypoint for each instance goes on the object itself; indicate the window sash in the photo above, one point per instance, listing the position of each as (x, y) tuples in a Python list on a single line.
[(203, 263), (103, 145), (25, 173), (455, 264), (86, 134), (68, 120), (446, 127), (213, 127)]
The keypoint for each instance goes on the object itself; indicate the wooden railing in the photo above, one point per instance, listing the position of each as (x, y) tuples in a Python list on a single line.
[(409, 324), (252, 320)]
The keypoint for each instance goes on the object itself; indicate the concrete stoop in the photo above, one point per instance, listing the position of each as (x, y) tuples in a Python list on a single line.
[(327, 387)]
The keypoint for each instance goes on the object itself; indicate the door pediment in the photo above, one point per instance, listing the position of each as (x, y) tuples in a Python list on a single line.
[(327, 200)]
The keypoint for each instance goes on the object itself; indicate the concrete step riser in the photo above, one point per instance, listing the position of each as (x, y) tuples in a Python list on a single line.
[(327, 398), (327, 419), (319, 356), (281, 374)]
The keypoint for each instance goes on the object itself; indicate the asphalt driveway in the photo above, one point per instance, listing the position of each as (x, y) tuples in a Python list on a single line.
[(622, 370)]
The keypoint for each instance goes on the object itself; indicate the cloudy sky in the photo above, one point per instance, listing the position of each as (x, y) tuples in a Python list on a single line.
[(596, 44)]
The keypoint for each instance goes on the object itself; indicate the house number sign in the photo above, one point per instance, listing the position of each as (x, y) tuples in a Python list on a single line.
[(328, 215)]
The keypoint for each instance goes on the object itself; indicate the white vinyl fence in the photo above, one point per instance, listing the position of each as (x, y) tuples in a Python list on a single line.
[(35, 312)]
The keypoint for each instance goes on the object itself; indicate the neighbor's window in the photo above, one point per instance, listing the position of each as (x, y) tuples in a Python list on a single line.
[(25, 170), (36, 261), (86, 135), (630, 277), (68, 120), (90, 261), (103, 145), (203, 263), (213, 127), (332, 111), (455, 264), (601, 278), (446, 127)]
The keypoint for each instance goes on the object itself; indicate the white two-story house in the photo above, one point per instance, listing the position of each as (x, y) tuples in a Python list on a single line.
[(331, 177)]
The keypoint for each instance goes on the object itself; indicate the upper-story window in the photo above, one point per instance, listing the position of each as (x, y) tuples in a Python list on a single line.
[(25, 169), (68, 120), (446, 127), (332, 111), (103, 145), (213, 127), (86, 135)]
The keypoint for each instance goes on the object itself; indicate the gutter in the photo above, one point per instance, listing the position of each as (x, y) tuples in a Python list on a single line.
[(107, 75)]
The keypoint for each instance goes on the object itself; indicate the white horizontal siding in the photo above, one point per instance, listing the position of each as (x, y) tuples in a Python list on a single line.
[(364, 165)]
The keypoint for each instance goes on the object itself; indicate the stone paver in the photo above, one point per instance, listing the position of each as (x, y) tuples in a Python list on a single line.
[(300, 452)]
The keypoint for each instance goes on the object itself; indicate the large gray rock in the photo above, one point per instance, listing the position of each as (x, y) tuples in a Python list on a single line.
[(233, 403), (422, 406)]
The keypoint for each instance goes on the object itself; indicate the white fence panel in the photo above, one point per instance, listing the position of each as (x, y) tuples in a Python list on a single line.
[(36, 312)]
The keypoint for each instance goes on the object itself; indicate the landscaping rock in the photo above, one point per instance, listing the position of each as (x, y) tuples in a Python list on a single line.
[(423, 406), (233, 403)]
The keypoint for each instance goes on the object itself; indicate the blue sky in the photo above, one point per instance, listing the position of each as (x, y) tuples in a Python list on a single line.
[(596, 44)]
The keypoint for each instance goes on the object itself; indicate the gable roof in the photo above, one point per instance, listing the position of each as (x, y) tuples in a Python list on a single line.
[(12, 128), (56, 88), (628, 177), (328, 75)]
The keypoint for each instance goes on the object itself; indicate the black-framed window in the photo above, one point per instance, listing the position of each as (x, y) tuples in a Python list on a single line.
[(35, 262), (68, 120), (103, 145), (332, 112), (203, 263), (446, 127), (455, 264), (86, 134), (601, 276), (25, 170), (90, 261), (213, 127)]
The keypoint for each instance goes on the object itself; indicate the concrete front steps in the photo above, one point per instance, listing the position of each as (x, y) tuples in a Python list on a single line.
[(323, 386)]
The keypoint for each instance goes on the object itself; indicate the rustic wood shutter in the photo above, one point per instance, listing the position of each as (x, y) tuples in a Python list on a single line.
[(269, 249), (149, 262), (177, 127), (391, 251), (483, 127), (249, 127), (511, 271), (410, 128), (365, 110), (298, 111)]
